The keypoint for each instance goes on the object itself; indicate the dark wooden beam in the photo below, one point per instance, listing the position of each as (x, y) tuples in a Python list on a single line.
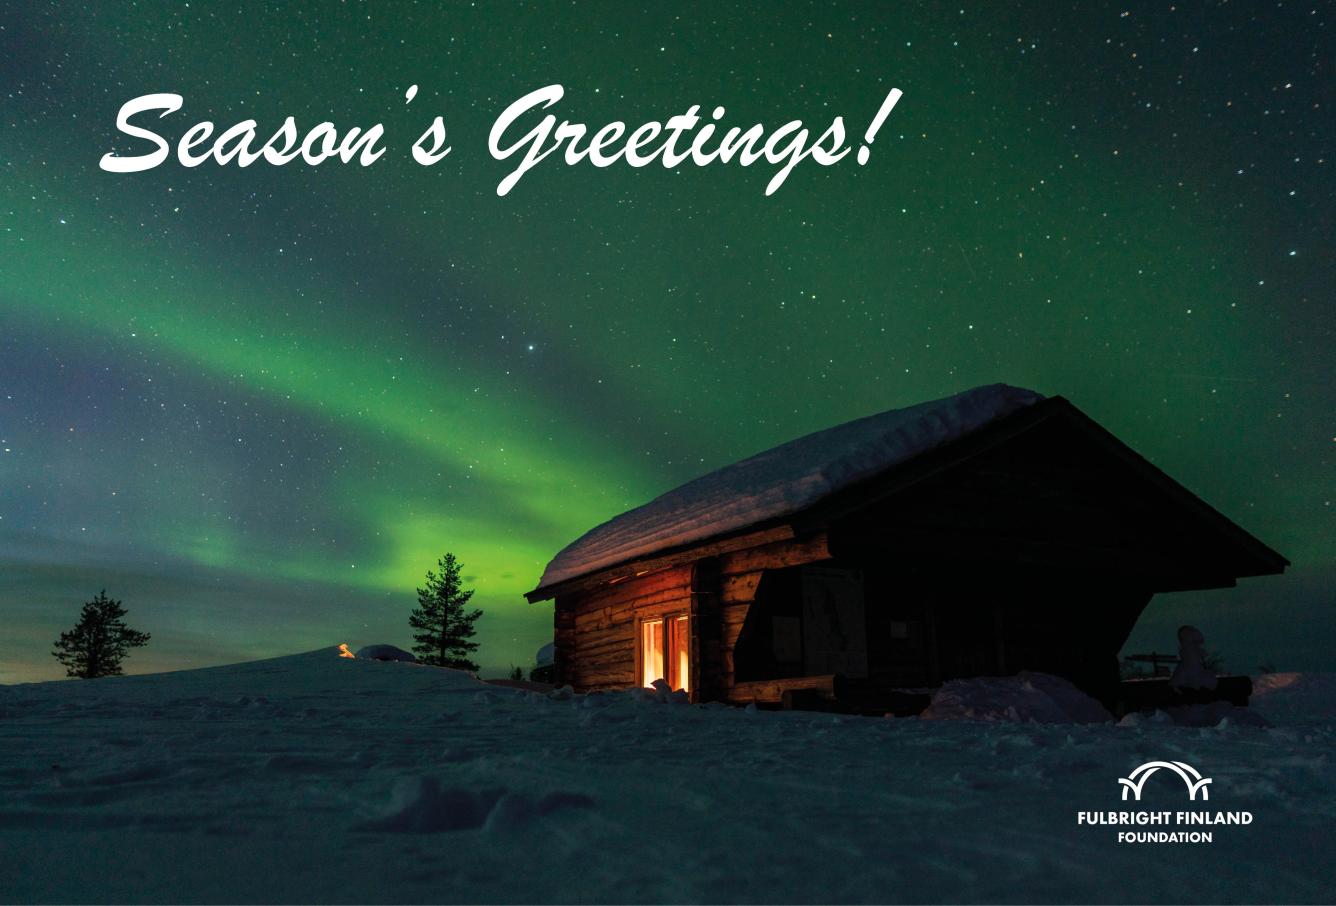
[(1147, 569)]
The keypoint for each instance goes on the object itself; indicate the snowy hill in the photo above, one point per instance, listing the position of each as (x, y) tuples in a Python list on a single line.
[(315, 778)]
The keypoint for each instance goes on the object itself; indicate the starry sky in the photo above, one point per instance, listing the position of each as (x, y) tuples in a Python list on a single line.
[(256, 405)]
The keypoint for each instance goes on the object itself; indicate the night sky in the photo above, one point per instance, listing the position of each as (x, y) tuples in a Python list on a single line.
[(256, 405)]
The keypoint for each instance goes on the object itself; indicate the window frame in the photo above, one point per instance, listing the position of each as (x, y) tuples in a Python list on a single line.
[(668, 649)]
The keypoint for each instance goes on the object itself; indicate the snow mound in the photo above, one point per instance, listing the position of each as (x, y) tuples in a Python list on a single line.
[(1024, 698), (420, 805), (546, 655), (1295, 698), (662, 693), (385, 653), (785, 480)]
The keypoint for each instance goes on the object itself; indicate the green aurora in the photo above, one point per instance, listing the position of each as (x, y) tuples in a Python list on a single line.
[(257, 404)]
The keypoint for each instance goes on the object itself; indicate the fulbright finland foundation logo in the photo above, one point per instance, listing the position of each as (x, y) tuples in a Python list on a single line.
[(1196, 783), (1135, 784)]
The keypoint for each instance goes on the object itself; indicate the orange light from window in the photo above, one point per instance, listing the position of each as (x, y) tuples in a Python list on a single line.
[(651, 651), (679, 646), (344, 652)]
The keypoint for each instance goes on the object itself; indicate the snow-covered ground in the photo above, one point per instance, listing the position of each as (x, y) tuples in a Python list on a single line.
[(315, 778)]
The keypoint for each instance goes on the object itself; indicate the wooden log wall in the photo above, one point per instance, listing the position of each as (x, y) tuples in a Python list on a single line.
[(739, 576), (772, 691), (595, 629), (706, 641)]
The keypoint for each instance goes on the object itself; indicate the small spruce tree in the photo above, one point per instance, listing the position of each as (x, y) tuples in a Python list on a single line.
[(99, 641), (442, 627)]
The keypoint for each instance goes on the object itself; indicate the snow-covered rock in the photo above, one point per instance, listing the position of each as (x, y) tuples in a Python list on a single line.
[(786, 479), (1024, 698)]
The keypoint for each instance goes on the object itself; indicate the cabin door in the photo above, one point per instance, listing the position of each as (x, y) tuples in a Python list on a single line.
[(665, 651)]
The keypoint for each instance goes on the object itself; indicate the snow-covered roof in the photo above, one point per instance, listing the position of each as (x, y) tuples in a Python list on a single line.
[(784, 480)]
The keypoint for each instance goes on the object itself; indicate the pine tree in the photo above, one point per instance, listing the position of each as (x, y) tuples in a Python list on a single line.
[(442, 627), (99, 641)]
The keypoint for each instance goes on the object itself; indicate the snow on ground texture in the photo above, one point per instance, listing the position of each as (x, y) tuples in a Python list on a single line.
[(785, 479), (316, 778)]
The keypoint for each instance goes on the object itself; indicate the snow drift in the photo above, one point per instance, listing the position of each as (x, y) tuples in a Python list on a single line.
[(1023, 698)]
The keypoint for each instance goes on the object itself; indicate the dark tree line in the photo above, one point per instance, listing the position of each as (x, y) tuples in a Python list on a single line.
[(442, 626)]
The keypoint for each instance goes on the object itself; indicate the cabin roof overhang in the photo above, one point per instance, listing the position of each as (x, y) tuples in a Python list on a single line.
[(1240, 554), (752, 536)]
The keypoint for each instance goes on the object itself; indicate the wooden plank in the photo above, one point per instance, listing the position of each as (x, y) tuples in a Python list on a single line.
[(733, 619), (604, 617), (633, 587), (616, 653), (623, 609), (676, 557), (772, 691), (604, 646), (662, 608), (776, 555), (622, 632), (740, 587), (734, 614), (603, 678)]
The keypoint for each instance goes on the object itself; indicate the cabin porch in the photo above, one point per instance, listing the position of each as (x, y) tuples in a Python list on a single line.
[(878, 631)]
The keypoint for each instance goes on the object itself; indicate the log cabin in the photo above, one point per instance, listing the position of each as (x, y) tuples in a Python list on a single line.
[(983, 534)]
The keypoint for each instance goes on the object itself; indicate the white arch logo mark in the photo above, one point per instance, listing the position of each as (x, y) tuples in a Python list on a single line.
[(1194, 781)]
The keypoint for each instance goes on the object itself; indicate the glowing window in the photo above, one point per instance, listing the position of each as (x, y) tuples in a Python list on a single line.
[(665, 651), (679, 648), (651, 651)]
